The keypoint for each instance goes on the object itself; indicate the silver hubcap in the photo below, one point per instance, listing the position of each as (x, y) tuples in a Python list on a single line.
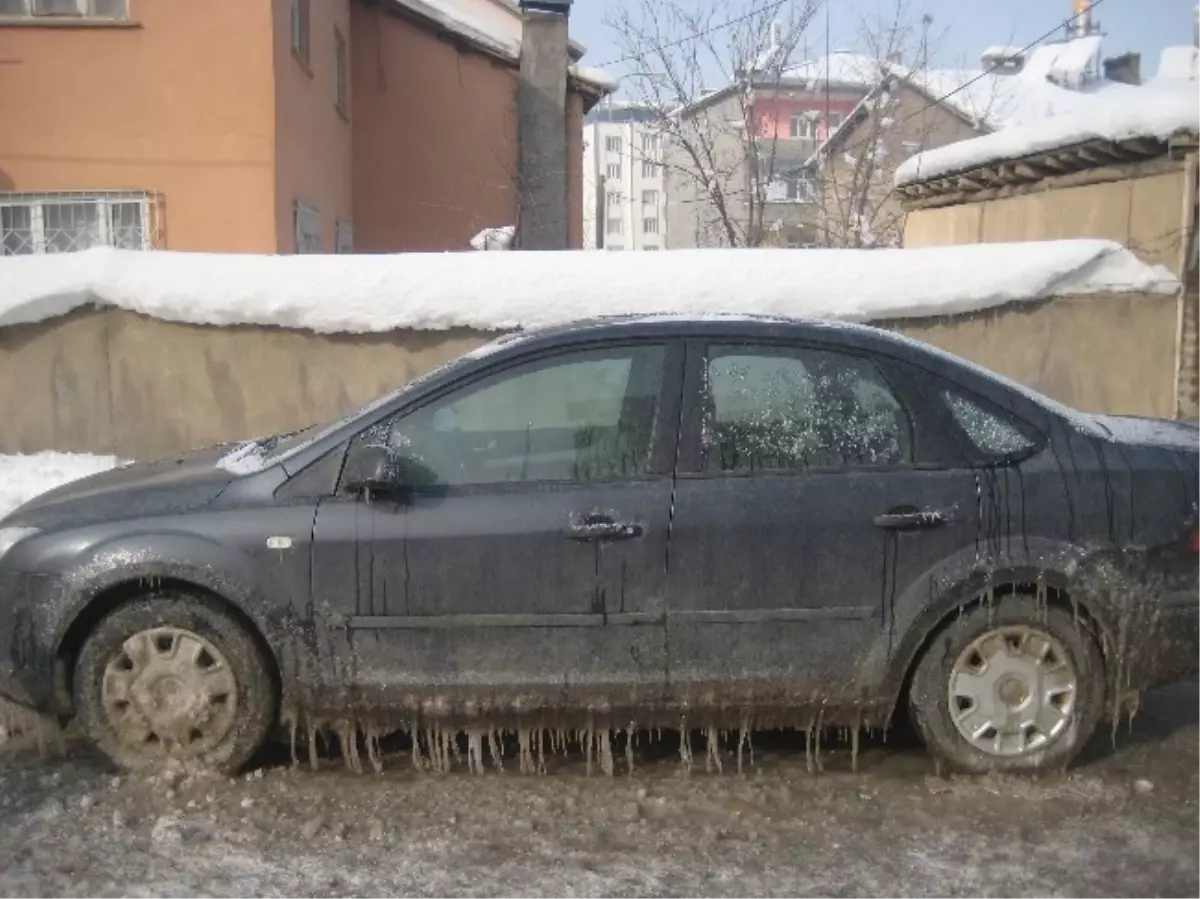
[(1012, 691), (169, 692)]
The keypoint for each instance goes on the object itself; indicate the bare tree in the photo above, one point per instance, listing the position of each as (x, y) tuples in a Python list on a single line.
[(852, 176), (720, 158)]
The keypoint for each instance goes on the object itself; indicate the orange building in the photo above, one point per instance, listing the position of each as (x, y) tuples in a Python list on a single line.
[(263, 125)]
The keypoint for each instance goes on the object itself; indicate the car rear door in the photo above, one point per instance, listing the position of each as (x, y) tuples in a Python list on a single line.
[(802, 482), (522, 570)]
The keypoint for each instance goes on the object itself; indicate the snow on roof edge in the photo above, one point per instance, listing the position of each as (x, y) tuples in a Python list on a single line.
[(1160, 111), (597, 78), (508, 291)]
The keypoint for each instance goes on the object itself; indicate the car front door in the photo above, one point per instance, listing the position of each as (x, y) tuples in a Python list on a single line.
[(519, 571), (797, 487)]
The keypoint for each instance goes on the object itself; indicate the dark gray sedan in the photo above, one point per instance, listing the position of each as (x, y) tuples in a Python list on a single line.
[(719, 524)]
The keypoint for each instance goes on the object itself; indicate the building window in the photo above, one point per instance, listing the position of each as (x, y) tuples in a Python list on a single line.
[(80, 9), (834, 120), (649, 247), (343, 238), (650, 144), (69, 221), (306, 221), (649, 169), (650, 226), (300, 30), (614, 199), (341, 88), (613, 170), (649, 198), (614, 226), (800, 188), (612, 144), (801, 125)]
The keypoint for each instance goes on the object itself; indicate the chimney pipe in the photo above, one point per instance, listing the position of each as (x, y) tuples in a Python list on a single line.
[(542, 165)]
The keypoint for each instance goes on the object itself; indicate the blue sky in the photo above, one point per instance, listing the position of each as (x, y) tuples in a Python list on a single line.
[(966, 26)]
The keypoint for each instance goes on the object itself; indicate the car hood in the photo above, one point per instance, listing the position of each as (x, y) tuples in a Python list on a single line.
[(1156, 432), (174, 484)]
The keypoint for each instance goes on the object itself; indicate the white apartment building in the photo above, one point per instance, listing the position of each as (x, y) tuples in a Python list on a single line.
[(624, 192)]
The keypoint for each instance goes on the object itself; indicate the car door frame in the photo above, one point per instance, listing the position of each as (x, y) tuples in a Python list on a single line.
[(929, 448), (639, 634)]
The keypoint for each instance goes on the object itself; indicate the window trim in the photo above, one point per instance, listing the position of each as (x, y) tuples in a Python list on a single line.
[(691, 449), (104, 200), (300, 33), (86, 19), (341, 75), (661, 460)]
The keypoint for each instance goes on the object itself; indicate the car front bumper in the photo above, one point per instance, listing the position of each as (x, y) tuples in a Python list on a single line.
[(26, 656)]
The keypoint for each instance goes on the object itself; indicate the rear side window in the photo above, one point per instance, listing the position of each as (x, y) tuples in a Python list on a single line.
[(989, 432), (791, 408)]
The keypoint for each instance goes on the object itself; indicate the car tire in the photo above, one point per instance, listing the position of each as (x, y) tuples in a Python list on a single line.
[(174, 676), (1034, 670)]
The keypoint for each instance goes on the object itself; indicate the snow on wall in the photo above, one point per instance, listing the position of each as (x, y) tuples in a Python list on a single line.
[(506, 291), (1153, 110)]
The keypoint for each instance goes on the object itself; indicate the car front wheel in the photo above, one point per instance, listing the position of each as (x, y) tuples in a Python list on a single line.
[(1010, 686), (174, 676)]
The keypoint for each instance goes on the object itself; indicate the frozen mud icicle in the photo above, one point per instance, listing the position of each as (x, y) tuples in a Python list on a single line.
[(713, 759), (685, 746), (474, 752), (606, 756), (629, 731), (372, 740), (349, 740), (496, 749), (312, 746)]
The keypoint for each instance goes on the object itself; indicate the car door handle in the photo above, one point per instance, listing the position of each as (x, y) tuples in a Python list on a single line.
[(601, 527), (910, 518)]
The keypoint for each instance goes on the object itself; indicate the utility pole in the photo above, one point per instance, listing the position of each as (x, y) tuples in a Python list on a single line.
[(542, 164)]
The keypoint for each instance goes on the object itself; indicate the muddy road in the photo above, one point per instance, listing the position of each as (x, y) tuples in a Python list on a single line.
[(1123, 822)]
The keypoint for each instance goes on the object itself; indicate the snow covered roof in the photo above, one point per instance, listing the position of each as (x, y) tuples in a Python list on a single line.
[(505, 291), (495, 26), (1177, 64), (841, 67), (1155, 110)]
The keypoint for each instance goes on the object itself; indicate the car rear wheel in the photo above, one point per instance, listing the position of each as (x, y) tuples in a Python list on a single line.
[(174, 676), (1016, 686)]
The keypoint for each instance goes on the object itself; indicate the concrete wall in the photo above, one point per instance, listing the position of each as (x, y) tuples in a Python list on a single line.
[(111, 381), (179, 100), (1113, 354), (1145, 214), (312, 138)]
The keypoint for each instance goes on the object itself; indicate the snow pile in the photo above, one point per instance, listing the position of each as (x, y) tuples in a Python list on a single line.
[(1176, 64), (24, 477), (507, 291), (1155, 110), (500, 32), (494, 238)]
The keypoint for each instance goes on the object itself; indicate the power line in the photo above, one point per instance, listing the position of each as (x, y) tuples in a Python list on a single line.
[(768, 8)]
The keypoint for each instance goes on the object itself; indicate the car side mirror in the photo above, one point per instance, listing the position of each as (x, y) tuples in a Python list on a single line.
[(372, 469)]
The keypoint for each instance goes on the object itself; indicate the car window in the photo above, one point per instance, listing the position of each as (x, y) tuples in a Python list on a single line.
[(991, 433), (785, 408), (583, 416)]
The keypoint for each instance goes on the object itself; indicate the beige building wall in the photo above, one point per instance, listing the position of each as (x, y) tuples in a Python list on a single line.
[(111, 381), (312, 137), (179, 100), (1106, 354), (1145, 214)]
